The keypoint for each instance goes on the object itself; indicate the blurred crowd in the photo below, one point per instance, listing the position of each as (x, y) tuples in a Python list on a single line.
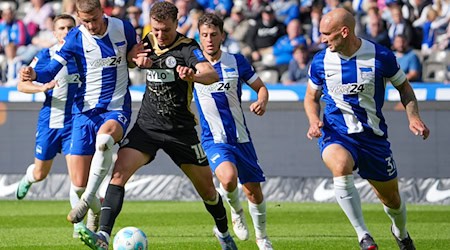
[(279, 37)]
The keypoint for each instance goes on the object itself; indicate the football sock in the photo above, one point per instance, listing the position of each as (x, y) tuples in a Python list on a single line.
[(258, 214), (232, 199), (75, 194), (218, 212), (101, 162), (111, 207), (398, 218), (29, 174), (348, 199), (107, 236)]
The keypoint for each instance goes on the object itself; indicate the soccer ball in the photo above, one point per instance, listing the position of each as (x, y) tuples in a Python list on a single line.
[(130, 238)]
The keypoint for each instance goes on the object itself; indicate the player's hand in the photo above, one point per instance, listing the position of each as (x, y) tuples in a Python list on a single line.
[(139, 55), (419, 128), (49, 85), (258, 107), (27, 74), (186, 73), (314, 130)]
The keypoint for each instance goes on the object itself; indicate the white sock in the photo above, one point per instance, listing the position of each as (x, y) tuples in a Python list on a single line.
[(258, 214), (232, 199), (398, 218), (75, 194), (348, 198), (101, 162), (29, 174)]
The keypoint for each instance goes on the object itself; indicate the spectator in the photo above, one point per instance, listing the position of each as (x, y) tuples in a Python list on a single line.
[(314, 34), (44, 38), (230, 45), (428, 32), (134, 16), (255, 8), (184, 19), (298, 67), (193, 32), (35, 18), (13, 65), (376, 32), (237, 26), (68, 7), (286, 10), (11, 29), (399, 25), (284, 46), (264, 34), (407, 59)]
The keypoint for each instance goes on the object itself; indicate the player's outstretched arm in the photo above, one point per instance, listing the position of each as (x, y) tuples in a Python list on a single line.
[(312, 109), (259, 107), (205, 74), (409, 101), (29, 87)]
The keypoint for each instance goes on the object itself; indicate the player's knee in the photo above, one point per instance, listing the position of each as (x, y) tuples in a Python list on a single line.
[(104, 142), (344, 182)]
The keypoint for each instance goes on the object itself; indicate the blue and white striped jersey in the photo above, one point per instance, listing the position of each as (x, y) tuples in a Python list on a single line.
[(102, 63), (354, 87), (57, 109), (219, 104)]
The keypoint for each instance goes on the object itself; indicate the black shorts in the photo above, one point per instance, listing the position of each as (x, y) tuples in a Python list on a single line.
[(183, 148)]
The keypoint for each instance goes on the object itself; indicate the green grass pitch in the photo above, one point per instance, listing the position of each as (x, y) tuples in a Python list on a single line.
[(186, 225)]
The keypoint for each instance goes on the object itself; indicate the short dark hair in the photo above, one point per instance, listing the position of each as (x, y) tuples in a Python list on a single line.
[(64, 16), (87, 6), (164, 10), (211, 19)]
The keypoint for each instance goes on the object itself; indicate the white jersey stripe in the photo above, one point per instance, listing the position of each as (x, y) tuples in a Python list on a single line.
[(93, 74), (366, 100), (333, 78)]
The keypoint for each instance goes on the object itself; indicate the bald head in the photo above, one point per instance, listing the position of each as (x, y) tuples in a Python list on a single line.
[(337, 30), (339, 18)]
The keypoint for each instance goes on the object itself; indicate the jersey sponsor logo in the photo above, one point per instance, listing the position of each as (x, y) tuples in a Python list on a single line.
[(347, 89), (325, 190), (112, 61), (69, 79), (198, 53), (222, 86), (434, 194), (160, 75), (171, 62)]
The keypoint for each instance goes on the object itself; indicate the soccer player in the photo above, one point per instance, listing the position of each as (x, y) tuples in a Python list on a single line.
[(53, 133), (102, 47), (225, 136), (351, 74), (166, 122)]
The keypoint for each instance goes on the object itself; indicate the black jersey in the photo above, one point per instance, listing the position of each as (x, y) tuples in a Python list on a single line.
[(167, 98)]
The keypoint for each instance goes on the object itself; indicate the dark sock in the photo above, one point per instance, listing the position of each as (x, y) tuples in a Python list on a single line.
[(219, 214), (111, 207)]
